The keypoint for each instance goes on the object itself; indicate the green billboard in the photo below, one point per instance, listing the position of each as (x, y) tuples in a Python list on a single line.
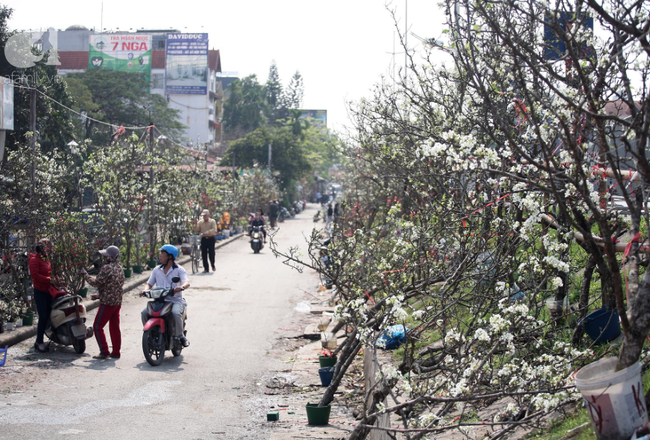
[(123, 52)]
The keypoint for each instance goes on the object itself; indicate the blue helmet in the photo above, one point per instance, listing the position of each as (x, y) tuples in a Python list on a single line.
[(170, 249)]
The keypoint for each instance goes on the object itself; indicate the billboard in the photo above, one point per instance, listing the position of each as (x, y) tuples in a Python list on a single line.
[(555, 47), (319, 116), (186, 64), (122, 52), (6, 104)]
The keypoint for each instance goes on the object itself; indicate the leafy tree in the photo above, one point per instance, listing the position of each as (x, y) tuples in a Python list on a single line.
[(245, 109), (275, 97), (53, 122), (288, 157), (296, 91), (120, 98)]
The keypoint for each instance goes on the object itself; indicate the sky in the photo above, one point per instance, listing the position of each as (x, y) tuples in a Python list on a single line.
[(340, 47)]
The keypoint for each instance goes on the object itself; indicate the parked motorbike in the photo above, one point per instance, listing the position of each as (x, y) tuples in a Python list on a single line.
[(158, 331), (283, 214), (257, 239), (68, 322)]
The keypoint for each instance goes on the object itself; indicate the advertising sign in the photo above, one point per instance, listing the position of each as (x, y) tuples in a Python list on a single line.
[(6, 104), (318, 117), (122, 52), (186, 64)]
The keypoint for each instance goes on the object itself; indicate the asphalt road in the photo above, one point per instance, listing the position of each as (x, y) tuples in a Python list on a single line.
[(210, 391)]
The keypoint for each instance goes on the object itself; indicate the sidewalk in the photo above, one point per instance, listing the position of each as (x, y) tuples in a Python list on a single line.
[(9, 338)]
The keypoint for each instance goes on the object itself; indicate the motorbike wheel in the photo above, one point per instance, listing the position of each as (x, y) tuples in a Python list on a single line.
[(153, 346), (79, 345)]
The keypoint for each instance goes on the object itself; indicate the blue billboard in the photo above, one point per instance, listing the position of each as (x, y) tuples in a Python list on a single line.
[(186, 64)]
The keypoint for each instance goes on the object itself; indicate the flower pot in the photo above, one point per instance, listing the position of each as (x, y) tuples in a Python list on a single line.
[(602, 325), (10, 326), (326, 374), (28, 318), (327, 361), (127, 273), (318, 415), (19, 322), (151, 264), (136, 268), (614, 399), (83, 292)]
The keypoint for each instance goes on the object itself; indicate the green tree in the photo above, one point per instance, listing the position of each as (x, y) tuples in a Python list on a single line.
[(274, 94), (288, 159), (53, 122), (296, 91), (120, 98), (245, 109)]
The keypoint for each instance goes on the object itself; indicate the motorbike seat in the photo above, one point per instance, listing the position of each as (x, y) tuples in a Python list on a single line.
[(59, 301)]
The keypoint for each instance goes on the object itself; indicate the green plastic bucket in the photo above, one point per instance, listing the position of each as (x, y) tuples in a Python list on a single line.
[(318, 415), (326, 361)]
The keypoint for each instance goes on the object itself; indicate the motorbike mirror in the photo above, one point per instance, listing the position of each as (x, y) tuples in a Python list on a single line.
[(175, 280)]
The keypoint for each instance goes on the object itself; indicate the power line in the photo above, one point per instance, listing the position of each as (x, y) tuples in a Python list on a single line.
[(76, 112)]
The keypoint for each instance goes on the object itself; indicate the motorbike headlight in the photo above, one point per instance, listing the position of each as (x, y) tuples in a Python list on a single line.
[(256, 235)]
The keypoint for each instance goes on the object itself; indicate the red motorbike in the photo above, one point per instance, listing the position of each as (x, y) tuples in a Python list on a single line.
[(158, 333)]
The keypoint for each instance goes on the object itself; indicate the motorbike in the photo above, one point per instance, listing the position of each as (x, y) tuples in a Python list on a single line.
[(257, 239), (283, 214), (158, 331), (68, 322)]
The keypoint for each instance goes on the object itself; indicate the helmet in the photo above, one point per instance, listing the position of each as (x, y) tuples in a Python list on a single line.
[(170, 249)]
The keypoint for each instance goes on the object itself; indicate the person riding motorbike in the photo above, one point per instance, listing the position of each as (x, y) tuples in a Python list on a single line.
[(162, 276), (259, 221)]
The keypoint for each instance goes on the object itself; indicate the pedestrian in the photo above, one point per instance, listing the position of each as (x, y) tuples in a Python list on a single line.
[(330, 215), (40, 271), (337, 212), (110, 288), (274, 211), (207, 229)]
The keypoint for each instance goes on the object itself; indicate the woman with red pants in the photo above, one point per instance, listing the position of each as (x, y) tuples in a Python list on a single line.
[(40, 269), (109, 283)]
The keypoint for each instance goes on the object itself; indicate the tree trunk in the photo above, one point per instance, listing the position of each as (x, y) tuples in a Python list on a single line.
[(353, 345), (583, 307), (639, 319)]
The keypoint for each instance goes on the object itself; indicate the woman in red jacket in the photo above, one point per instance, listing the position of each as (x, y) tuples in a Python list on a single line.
[(40, 269)]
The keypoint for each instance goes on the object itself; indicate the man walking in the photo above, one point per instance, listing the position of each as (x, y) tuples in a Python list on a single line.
[(274, 210), (109, 283), (207, 229)]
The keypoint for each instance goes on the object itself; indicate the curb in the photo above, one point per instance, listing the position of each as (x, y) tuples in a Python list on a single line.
[(22, 333)]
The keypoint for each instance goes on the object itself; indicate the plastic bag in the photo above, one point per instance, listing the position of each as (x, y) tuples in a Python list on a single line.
[(393, 337)]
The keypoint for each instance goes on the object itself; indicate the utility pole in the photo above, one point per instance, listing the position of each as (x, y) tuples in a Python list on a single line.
[(270, 153), (32, 128), (152, 233)]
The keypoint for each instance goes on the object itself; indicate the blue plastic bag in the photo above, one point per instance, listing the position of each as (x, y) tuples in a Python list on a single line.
[(393, 337)]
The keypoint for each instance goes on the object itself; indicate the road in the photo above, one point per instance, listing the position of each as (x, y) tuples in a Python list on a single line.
[(212, 390)]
